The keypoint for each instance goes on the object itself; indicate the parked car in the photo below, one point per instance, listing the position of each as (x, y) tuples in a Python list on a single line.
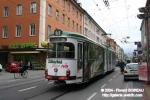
[(12, 67), (131, 71), (1, 68)]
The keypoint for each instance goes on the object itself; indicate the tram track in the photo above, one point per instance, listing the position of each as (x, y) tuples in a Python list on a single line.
[(52, 93), (58, 96)]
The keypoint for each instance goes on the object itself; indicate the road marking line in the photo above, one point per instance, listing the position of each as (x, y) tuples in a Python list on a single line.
[(114, 76), (50, 82), (27, 89), (110, 80), (92, 96), (11, 80), (13, 85), (103, 86)]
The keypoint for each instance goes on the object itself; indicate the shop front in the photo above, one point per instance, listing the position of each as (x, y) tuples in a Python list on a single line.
[(37, 58)]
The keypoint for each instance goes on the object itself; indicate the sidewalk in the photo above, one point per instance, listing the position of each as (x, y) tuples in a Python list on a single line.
[(32, 73)]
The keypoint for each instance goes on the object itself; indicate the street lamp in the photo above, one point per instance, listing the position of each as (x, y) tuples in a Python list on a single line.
[(124, 40), (145, 15)]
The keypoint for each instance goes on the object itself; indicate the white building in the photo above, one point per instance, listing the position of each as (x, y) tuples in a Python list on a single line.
[(92, 30)]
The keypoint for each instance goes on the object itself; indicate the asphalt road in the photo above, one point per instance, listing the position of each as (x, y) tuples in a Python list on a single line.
[(37, 88)]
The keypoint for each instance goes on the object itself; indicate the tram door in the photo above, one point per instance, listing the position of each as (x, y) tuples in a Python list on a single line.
[(80, 60)]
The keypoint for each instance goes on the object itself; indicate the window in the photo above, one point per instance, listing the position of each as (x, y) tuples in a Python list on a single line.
[(80, 17), (18, 30), (77, 14), (61, 50), (80, 29), (49, 10), (5, 12), (72, 10), (32, 29), (73, 24), (57, 15), (33, 7), (19, 9), (49, 30), (68, 6), (63, 18), (85, 31), (77, 27), (68, 22), (5, 32), (63, 4), (97, 38)]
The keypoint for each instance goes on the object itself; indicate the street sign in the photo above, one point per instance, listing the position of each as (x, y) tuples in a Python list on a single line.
[(143, 72)]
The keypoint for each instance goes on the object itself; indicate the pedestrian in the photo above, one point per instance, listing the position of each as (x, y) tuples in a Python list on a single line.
[(29, 65), (23, 67)]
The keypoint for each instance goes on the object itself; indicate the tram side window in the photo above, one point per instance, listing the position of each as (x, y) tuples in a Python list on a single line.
[(109, 57), (113, 58), (91, 51)]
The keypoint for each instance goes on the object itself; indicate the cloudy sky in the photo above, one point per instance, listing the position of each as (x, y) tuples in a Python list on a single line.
[(118, 18)]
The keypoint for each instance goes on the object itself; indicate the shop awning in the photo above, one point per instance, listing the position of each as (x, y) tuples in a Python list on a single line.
[(24, 52)]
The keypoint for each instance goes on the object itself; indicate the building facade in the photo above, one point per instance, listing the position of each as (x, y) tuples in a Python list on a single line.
[(145, 35), (119, 53), (24, 24), (92, 30)]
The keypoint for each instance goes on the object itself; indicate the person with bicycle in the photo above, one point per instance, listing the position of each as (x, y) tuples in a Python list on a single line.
[(122, 65), (23, 67)]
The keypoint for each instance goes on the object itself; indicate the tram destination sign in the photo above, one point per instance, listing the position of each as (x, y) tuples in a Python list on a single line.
[(55, 61), (58, 39)]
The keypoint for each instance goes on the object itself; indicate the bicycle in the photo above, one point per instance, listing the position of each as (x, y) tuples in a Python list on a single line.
[(18, 74)]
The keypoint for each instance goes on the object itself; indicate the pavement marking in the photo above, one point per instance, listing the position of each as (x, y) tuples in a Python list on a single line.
[(110, 80), (103, 86), (50, 82), (92, 96), (27, 89), (11, 80), (13, 85)]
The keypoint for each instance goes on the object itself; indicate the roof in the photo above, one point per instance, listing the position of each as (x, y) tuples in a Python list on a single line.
[(78, 36)]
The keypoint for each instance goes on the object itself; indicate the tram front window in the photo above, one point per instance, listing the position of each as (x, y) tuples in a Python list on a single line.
[(61, 50)]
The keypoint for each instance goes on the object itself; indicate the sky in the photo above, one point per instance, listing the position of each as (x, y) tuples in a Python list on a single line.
[(118, 19)]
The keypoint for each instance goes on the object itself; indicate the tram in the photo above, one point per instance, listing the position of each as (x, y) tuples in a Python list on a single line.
[(74, 58)]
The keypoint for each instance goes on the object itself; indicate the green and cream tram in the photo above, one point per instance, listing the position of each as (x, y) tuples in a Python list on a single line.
[(74, 58)]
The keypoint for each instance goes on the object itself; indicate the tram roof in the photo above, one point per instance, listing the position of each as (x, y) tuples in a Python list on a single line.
[(83, 37), (80, 36)]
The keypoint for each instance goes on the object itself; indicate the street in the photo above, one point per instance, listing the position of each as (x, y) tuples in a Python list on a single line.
[(35, 87)]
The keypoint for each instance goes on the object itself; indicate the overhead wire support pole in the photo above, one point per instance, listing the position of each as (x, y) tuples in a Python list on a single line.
[(148, 56), (146, 15)]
